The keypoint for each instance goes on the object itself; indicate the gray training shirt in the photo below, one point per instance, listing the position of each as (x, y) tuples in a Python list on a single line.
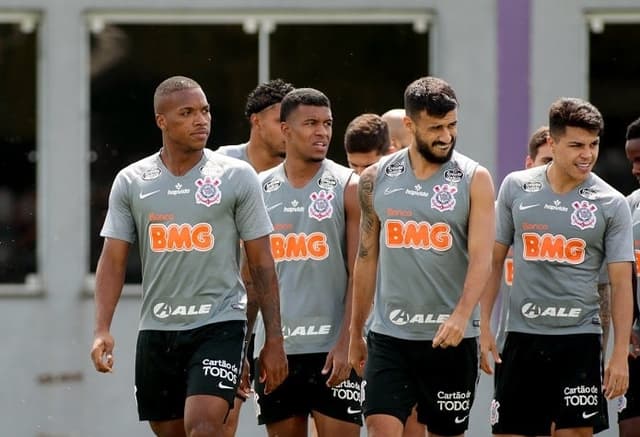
[(423, 246), (238, 151), (189, 229), (559, 243), (309, 247)]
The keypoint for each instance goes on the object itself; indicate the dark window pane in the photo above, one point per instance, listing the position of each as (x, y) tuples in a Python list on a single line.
[(18, 144), (614, 69), (361, 68), (127, 63)]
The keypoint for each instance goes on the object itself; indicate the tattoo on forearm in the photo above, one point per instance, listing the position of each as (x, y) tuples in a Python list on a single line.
[(367, 217), (265, 285)]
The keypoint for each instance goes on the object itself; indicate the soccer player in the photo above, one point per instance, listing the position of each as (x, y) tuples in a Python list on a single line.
[(427, 231), (313, 206), (188, 213), (563, 222)]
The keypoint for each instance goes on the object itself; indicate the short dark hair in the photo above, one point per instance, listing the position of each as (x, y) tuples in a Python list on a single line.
[(430, 94), (367, 133), (265, 95), (538, 139), (170, 86), (633, 130), (302, 96), (574, 112)]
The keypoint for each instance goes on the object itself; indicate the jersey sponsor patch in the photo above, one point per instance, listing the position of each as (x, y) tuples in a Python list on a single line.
[(532, 186), (299, 247), (588, 193), (208, 192), (272, 185), (555, 248), (211, 169), (395, 169), (173, 311), (583, 216), (320, 207), (180, 237), (151, 174), (551, 314), (293, 207), (327, 181), (557, 206), (453, 175), (444, 197), (401, 317), (417, 235), (508, 271)]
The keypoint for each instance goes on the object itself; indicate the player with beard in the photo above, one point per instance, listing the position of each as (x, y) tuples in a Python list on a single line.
[(427, 231)]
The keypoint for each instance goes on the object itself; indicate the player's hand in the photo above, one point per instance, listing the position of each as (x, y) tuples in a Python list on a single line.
[(244, 389), (337, 363), (358, 354), (102, 352), (616, 376), (274, 367), (488, 347), (451, 332)]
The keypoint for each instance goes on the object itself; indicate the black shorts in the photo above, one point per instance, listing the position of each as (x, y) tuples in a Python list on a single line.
[(305, 390), (172, 365), (545, 379), (442, 382), (629, 404)]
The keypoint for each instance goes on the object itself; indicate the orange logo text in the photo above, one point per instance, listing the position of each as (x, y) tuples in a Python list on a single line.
[(180, 238), (299, 247), (416, 235), (547, 247), (508, 271)]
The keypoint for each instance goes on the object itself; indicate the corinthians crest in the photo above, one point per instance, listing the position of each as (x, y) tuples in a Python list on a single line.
[(320, 207), (443, 199), (583, 215), (208, 192)]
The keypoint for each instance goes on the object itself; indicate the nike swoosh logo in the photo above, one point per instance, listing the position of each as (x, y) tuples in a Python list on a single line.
[(272, 207), (586, 415), (459, 420), (523, 207), (150, 193), (388, 190), (353, 410), (224, 386)]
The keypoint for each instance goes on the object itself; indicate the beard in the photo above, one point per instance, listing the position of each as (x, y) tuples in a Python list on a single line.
[(425, 150)]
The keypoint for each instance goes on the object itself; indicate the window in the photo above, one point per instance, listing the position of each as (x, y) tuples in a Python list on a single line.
[(614, 68), (362, 61), (18, 143), (361, 68), (127, 63)]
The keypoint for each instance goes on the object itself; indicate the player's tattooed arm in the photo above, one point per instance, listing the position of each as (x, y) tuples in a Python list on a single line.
[(364, 271), (369, 223), (273, 361), (264, 284)]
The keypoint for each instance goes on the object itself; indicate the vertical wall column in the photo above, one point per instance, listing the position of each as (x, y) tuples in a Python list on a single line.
[(63, 171), (513, 84)]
